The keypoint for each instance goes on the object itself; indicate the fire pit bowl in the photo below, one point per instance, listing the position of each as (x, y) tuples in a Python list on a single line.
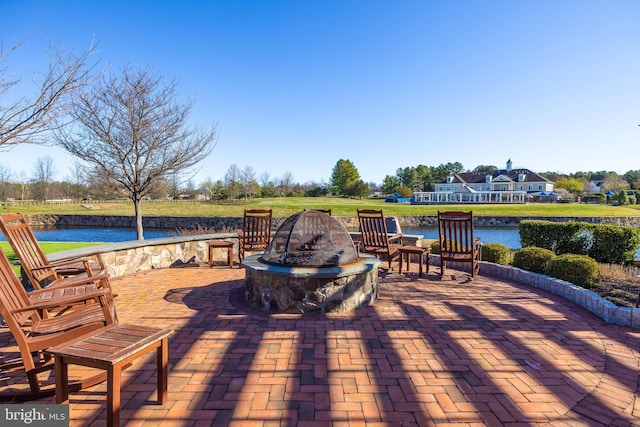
[(311, 266)]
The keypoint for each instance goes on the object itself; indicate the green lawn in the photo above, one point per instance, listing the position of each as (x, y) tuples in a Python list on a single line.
[(286, 206), (47, 247)]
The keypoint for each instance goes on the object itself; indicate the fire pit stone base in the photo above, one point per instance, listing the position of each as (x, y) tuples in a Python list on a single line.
[(311, 290)]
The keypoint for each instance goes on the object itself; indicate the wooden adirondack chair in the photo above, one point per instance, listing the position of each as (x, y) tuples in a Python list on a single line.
[(39, 270), (255, 234), (93, 308), (457, 244), (375, 238)]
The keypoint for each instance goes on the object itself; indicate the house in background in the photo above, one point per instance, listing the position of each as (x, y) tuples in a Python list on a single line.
[(595, 186), (498, 186)]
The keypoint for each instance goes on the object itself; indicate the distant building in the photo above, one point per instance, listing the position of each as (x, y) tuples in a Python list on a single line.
[(595, 186), (498, 186)]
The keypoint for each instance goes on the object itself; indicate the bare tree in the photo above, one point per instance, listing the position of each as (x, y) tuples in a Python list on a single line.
[(286, 182), (23, 184), (264, 179), (5, 178), (232, 181), (133, 133), (78, 180), (42, 177), (249, 182), (26, 119)]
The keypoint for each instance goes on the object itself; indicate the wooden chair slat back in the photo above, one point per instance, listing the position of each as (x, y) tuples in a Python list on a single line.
[(455, 231), (257, 226), (457, 242), (373, 228), (24, 243), (375, 236)]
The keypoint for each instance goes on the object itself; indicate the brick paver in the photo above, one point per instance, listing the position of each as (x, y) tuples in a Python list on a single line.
[(429, 352)]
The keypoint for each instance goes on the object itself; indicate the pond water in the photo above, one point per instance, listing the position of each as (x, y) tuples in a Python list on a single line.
[(505, 235), (93, 234)]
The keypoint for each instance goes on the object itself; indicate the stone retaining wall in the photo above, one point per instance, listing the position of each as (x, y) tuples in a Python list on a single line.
[(232, 223), (135, 256), (125, 258)]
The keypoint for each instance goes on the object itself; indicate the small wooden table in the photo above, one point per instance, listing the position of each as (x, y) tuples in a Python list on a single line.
[(111, 348), (221, 244), (413, 250)]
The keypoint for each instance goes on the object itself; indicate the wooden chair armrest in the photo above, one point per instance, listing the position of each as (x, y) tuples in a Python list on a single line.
[(65, 301), (240, 233), (67, 261), (73, 258), (394, 237), (79, 280)]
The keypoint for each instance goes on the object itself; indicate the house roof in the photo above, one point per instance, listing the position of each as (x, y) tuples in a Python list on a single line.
[(497, 175)]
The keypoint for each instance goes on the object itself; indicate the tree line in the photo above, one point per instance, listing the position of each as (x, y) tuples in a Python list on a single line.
[(245, 183)]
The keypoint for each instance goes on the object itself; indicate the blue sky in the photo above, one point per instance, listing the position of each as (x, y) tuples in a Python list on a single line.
[(297, 85)]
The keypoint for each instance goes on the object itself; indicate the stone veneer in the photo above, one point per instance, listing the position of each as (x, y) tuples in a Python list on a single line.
[(125, 258), (311, 290)]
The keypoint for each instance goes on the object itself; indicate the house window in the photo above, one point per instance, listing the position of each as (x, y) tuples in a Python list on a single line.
[(540, 187), (530, 188), (448, 188)]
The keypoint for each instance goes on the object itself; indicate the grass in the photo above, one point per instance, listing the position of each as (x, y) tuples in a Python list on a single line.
[(47, 247), (286, 206)]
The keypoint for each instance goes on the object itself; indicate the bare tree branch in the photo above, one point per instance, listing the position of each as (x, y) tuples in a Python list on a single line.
[(28, 118)]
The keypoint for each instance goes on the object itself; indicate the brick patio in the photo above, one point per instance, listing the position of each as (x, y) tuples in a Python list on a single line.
[(429, 352)]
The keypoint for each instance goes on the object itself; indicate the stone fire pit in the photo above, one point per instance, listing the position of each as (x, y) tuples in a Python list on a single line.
[(311, 266)]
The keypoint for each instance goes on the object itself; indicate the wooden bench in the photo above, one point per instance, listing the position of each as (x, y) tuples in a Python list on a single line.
[(111, 348)]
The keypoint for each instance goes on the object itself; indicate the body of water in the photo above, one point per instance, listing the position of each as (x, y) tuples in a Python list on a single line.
[(506, 235), (93, 234)]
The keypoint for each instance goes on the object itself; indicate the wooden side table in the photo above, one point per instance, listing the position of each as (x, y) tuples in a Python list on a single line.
[(221, 244), (112, 348), (414, 250)]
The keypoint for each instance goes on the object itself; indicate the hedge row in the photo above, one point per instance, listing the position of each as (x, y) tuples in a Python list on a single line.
[(605, 243)]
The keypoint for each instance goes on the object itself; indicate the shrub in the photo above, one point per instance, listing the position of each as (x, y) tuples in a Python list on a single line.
[(435, 247), (560, 237), (605, 243), (532, 258), (496, 253), (577, 269), (614, 244)]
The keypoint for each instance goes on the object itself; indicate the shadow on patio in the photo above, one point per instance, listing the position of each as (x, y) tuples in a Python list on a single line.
[(428, 352)]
